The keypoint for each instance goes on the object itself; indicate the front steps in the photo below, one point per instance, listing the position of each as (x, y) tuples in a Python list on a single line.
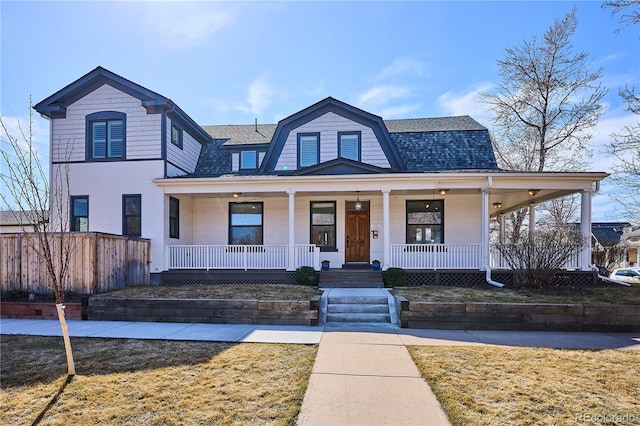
[(350, 278), (358, 306)]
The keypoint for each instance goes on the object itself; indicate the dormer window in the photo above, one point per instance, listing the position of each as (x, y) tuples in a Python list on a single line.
[(176, 136), (308, 149), (349, 145), (248, 160), (106, 135)]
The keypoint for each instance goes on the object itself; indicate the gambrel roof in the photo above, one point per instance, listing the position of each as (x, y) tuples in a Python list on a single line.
[(414, 145)]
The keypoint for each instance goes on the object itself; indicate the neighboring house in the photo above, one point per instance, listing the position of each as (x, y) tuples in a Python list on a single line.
[(614, 244), (328, 182), (12, 222)]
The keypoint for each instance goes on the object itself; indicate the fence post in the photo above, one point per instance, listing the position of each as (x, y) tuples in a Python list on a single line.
[(19, 259), (94, 265)]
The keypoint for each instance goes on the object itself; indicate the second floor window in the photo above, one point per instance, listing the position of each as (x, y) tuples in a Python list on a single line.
[(176, 136), (248, 160), (308, 149), (349, 145), (106, 136)]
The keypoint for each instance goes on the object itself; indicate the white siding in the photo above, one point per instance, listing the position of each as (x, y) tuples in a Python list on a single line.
[(235, 162), (186, 219), (105, 183), (143, 130), (185, 158), (328, 125)]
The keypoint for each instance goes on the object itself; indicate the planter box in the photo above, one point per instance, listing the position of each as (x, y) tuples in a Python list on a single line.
[(217, 311), (39, 310), (519, 316)]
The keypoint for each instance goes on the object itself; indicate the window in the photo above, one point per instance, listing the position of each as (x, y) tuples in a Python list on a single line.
[(323, 225), (174, 218), (176, 136), (132, 215), (106, 136), (349, 145), (245, 223), (425, 222), (80, 213), (308, 149), (248, 160)]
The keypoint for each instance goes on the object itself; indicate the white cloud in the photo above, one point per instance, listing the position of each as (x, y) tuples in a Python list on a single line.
[(381, 95), (402, 66), (258, 96), (182, 25), (466, 103)]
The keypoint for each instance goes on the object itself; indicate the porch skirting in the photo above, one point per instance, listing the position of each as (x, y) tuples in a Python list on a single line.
[(465, 278), (181, 277)]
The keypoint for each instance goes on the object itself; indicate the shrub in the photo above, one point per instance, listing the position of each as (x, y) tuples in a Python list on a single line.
[(394, 277), (536, 260), (306, 275)]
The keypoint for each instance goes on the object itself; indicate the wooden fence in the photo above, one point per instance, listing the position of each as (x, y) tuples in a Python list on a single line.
[(99, 263)]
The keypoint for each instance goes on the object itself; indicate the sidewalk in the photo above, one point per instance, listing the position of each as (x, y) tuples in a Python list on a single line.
[(363, 375)]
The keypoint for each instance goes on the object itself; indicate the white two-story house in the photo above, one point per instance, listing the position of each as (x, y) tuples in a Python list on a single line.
[(330, 182)]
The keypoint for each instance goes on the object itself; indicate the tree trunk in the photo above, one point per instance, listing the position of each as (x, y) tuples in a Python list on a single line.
[(71, 367)]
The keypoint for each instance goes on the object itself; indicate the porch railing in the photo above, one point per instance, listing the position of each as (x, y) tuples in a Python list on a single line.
[(241, 256), (435, 256)]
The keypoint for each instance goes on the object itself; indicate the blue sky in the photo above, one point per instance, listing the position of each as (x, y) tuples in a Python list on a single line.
[(230, 63)]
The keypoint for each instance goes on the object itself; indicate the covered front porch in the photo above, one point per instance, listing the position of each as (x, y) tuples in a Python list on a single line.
[(412, 221)]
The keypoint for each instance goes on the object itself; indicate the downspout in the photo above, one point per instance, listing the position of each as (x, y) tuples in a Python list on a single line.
[(485, 234)]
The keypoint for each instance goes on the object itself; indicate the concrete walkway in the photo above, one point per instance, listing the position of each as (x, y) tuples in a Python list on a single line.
[(363, 375)]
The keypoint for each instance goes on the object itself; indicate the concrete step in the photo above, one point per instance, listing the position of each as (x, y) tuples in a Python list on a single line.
[(374, 300), (358, 308), (358, 318)]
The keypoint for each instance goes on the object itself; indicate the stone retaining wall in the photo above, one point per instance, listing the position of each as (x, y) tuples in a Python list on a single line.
[(518, 316), (217, 311)]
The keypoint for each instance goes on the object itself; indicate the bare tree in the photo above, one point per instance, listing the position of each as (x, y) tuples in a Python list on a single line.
[(29, 195), (625, 146), (544, 107)]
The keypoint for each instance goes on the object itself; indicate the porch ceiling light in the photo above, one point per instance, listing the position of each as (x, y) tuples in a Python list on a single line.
[(443, 191), (358, 205), (236, 194), (533, 192), (497, 205)]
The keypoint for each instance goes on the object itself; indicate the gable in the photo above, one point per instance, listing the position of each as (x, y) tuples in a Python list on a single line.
[(327, 119)]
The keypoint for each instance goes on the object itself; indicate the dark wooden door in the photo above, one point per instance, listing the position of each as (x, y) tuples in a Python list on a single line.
[(357, 236)]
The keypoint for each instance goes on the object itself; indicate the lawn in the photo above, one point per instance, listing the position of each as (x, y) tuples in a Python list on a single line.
[(492, 385), (613, 294), (220, 291), (152, 382)]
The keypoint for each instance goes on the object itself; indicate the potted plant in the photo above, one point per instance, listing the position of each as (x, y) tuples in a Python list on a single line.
[(375, 265), (325, 265)]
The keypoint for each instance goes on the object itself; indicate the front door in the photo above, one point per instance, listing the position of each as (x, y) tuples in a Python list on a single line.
[(357, 232)]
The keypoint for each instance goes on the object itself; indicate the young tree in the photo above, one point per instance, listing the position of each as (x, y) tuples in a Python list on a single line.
[(626, 143), (547, 102), (26, 191)]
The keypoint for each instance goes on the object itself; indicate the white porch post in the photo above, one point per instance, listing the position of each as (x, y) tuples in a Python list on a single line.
[(484, 229), (585, 230), (386, 233), (532, 219), (291, 262)]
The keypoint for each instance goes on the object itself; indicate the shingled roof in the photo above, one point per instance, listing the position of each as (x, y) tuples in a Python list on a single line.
[(424, 144)]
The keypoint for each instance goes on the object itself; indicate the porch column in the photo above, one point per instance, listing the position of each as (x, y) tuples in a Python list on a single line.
[(484, 229), (585, 230), (532, 220), (386, 233), (501, 223), (291, 261)]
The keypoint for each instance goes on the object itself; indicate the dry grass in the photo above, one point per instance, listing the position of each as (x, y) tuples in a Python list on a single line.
[(132, 382), (497, 386), (220, 291), (593, 295)]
